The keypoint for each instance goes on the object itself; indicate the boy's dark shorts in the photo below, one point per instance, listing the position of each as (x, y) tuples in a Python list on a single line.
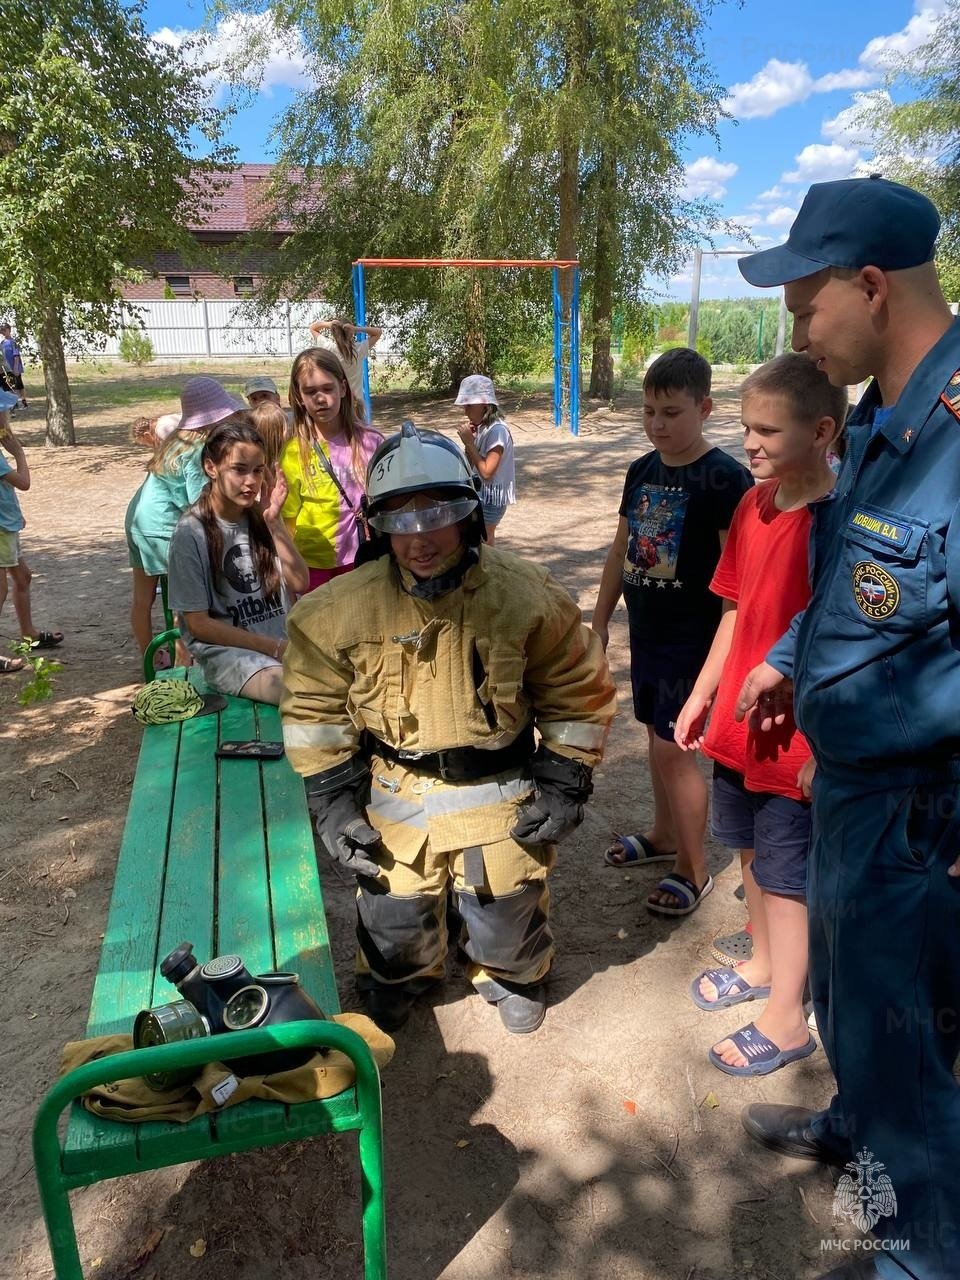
[(663, 676), (777, 828)]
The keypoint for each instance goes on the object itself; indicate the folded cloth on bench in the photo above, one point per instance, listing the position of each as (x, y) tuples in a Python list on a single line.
[(217, 1087)]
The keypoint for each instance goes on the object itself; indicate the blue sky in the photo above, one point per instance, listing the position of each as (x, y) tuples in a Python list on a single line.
[(795, 76)]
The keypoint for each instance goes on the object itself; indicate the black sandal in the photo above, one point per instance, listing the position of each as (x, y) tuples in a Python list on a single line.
[(46, 640)]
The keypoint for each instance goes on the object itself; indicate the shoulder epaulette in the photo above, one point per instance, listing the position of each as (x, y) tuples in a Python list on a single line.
[(951, 395)]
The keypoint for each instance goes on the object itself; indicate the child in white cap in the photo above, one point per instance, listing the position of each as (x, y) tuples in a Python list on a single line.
[(488, 445)]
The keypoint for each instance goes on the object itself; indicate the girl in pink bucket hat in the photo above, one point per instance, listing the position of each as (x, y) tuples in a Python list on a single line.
[(488, 444), (174, 480)]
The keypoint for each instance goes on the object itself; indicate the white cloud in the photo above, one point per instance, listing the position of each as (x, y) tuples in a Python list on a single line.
[(823, 162), (707, 177), (883, 52), (773, 194), (780, 217), (783, 84), (851, 78), (244, 49), (851, 127), (777, 85)]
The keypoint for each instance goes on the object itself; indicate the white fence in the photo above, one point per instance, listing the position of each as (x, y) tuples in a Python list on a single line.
[(208, 327)]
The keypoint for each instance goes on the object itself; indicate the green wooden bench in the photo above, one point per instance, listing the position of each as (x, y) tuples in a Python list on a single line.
[(220, 853)]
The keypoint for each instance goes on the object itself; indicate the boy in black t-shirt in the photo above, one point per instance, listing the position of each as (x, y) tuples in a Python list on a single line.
[(677, 505)]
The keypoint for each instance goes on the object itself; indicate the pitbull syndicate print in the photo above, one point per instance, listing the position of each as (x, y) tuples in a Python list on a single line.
[(656, 527), (245, 603)]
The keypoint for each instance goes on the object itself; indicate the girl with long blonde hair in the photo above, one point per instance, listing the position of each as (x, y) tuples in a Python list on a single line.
[(325, 464)]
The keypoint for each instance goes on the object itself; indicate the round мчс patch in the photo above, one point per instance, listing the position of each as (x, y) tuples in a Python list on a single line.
[(877, 593)]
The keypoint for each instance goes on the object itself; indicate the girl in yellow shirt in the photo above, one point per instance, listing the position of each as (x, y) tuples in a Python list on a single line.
[(325, 464)]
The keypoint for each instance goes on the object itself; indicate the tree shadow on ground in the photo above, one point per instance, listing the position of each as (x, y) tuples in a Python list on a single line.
[(294, 1211)]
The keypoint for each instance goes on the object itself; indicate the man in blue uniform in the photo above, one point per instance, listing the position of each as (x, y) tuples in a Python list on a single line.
[(874, 668)]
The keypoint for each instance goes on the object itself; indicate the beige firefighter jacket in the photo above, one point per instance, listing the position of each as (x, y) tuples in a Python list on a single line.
[(472, 667)]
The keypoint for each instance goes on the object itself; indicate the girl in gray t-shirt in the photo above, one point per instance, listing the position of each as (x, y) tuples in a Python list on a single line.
[(233, 567)]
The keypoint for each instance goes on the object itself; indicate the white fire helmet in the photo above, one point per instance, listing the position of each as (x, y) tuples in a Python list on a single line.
[(428, 468)]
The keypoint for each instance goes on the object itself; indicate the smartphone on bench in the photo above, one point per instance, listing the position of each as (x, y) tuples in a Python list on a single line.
[(250, 749)]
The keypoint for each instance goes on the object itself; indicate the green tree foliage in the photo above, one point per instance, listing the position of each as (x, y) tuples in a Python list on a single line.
[(737, 331), (98, 140), (742, 331), (135, 347), (490, 129), (919, 139)]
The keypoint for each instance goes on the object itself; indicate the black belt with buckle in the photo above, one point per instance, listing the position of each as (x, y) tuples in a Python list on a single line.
[(461, 764)]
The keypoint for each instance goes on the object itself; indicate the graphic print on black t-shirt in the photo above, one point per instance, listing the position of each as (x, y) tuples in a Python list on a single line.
[(656, 527)]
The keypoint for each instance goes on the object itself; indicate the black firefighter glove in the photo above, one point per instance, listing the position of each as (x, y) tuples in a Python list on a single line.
[(335, 798), (563, 788)]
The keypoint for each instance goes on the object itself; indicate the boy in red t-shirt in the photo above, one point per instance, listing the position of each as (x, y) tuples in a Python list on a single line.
[(791, 415)]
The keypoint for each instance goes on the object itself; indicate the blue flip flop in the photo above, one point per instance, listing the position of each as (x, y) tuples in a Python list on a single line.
[(688, 893), (732, 988), (762, 1055), (637, 852)]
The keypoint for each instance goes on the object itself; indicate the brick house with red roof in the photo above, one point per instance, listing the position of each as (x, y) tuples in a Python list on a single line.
[(236, 202)]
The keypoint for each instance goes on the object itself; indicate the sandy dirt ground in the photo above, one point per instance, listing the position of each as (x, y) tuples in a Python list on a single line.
[(604, 1146)]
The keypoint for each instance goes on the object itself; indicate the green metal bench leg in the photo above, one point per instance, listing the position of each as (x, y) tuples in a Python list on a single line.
[(168, 619), (57, 1214), (168, 638), (371, 1169), (54, 1184)]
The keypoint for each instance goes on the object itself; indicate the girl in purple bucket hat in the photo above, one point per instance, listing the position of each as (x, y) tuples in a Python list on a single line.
[(174, 480)]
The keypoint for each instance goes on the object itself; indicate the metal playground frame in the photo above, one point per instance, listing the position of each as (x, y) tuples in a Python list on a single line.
[(566, 333)]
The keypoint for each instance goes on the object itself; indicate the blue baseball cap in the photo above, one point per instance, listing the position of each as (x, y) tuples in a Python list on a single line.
[(854, 223)]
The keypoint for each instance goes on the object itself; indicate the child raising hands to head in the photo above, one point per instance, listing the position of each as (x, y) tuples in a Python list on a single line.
[(488, 445)]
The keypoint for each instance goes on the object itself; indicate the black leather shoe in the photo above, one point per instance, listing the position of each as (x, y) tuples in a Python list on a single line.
[(389, 1007), (522, 1007), (523, 1011), (787, 1130)]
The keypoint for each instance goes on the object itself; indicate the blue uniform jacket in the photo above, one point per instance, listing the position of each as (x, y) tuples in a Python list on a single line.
[(875, 657)]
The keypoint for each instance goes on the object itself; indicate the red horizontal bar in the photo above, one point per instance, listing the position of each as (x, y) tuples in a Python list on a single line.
[(466, 262)]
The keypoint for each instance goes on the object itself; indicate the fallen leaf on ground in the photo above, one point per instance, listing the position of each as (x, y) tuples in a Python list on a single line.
[(711, 1101), (198, 1248), (463, 1143), (144, 1252), (630, 1107)]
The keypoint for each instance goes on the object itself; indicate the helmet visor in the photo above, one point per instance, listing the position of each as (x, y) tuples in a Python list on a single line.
[(423, 517)]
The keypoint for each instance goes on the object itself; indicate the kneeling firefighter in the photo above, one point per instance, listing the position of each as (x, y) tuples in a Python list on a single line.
[(413, 686)]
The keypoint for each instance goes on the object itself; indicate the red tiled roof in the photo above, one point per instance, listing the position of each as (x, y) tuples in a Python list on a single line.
[(235, 200)]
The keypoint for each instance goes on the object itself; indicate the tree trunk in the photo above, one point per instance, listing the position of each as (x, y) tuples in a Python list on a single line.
[(604, 275), (475, 338), (59, 405), (567, 232)]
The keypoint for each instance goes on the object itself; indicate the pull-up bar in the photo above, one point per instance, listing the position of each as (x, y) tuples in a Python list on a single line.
[(556, 265), (467, 262)]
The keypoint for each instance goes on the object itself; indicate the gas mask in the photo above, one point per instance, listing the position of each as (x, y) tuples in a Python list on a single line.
[(219, 997)]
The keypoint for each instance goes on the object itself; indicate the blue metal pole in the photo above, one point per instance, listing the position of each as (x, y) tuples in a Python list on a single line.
[(575, 353), (360, 311), (557, 351)]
